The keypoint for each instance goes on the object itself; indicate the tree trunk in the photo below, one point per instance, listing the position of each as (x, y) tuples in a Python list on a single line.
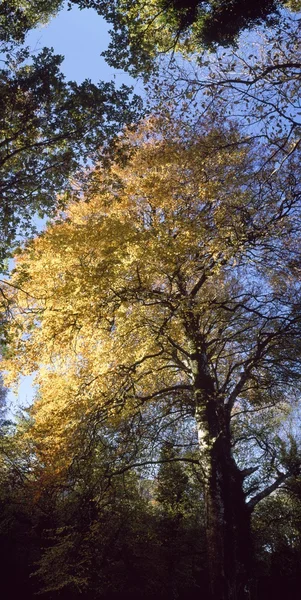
[(227, 515), (228, 518)]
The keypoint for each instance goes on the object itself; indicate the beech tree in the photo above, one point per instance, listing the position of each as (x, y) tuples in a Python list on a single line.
[(175, 284)]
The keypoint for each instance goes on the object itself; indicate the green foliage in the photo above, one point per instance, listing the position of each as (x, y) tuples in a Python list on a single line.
[(99, 533), (277, 532), (49, 130), (19, 518), (141, 31), (172, 481), (17, 17), (226, 19), (181, 522)]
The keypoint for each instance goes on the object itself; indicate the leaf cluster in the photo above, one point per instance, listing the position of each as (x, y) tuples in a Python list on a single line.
[(49, 130), (141, 31)]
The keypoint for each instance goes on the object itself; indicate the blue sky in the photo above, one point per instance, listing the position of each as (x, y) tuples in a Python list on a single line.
[(80, 36)]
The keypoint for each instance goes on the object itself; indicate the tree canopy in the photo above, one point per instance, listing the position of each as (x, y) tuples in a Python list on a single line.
[(158, 313), (141, 31), (17, 17), (50, 130), (159, 292)]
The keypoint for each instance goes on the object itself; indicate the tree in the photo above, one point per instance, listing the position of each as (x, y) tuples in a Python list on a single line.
[(50, 131), (141, 31), (173, 285), (181, 523), (20, 516), (17, 17), (160, 26), (277, 541), (257, 87), (100, 536)]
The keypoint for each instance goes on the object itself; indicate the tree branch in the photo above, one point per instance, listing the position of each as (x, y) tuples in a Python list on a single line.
[(267, 491)]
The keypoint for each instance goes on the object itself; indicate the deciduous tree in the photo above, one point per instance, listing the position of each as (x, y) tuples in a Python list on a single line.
[(175, 284), (49, 130), (17, 17), (141, 31)]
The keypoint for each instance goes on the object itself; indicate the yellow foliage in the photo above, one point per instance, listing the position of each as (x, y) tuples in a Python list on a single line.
[(101, 298)]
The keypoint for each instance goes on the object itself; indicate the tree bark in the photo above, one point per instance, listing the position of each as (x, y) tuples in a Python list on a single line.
[(228, 517)]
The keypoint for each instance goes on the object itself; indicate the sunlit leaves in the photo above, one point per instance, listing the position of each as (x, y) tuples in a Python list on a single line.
[(49, 131), (105, 298)]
